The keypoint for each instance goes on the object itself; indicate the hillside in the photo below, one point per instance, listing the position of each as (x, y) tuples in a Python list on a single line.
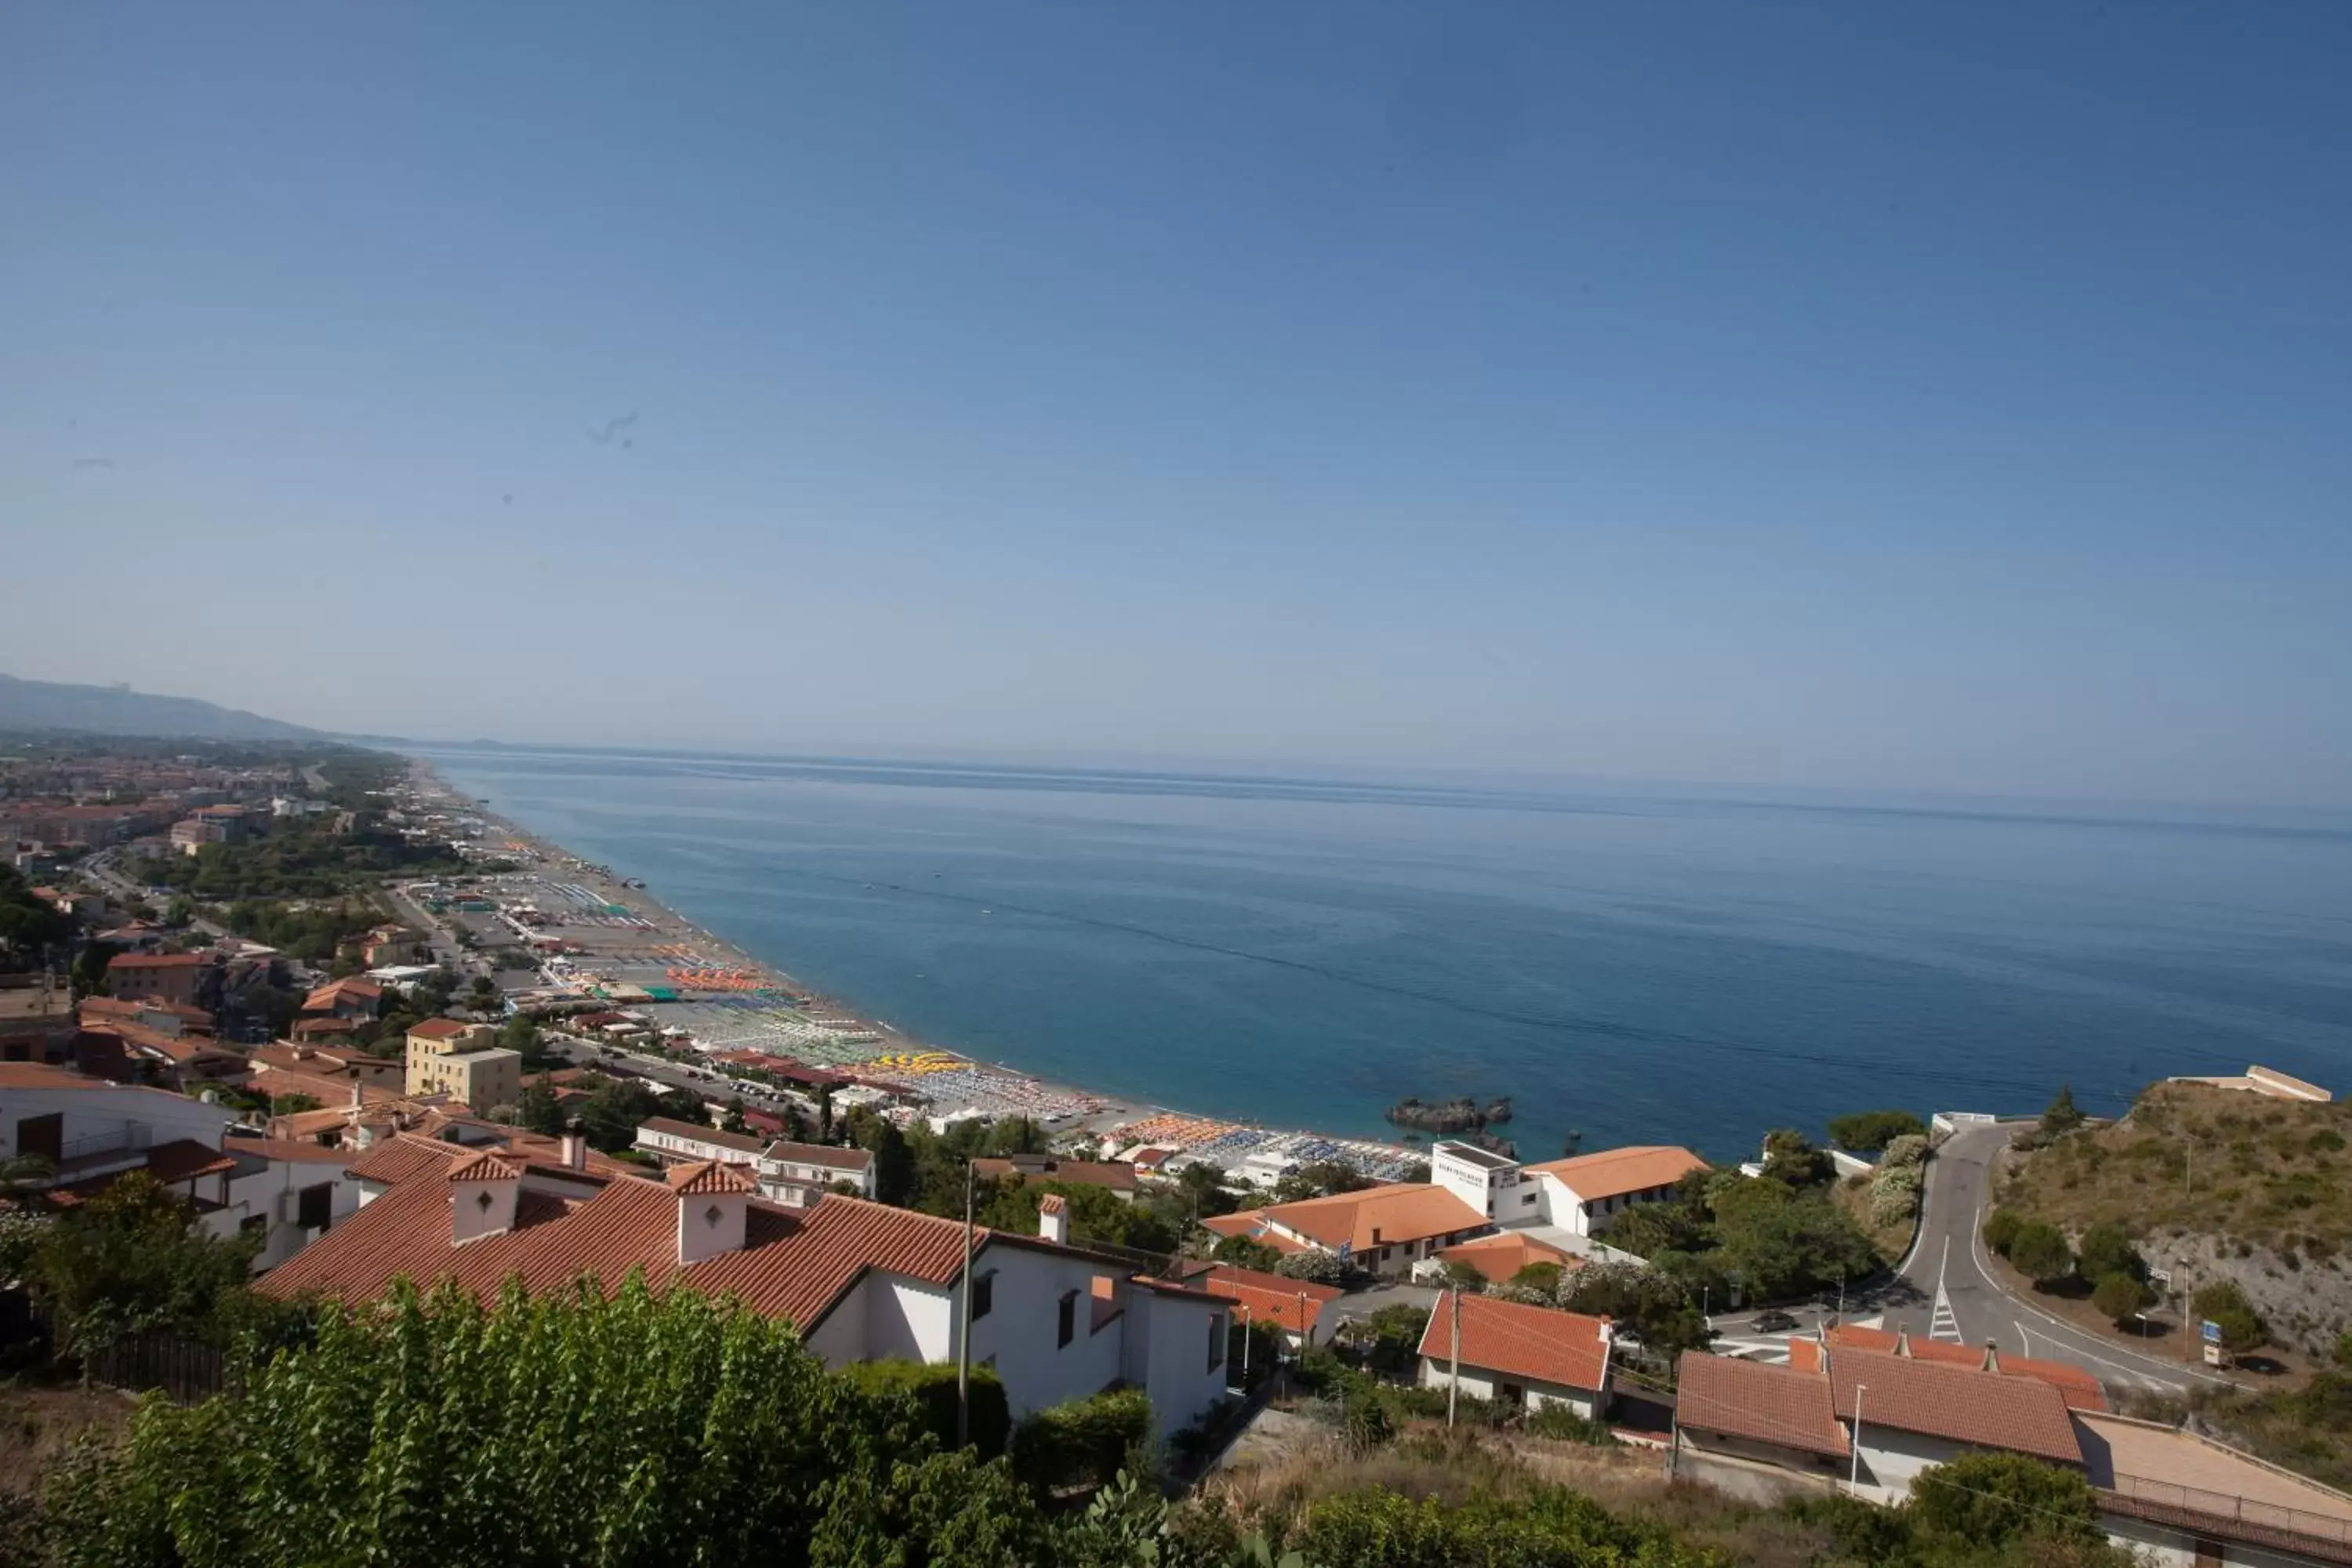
[(2215, 1183), (116, 710)]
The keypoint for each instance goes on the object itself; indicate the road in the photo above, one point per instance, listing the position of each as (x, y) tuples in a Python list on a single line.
[(1947, 1289)]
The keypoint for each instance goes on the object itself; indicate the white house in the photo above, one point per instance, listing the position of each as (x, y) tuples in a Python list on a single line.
[(1580, 1193), (800, 1173), (674, 1142), (1384, 1230), (860, 1280), (1518, 1355), (287, 1194)]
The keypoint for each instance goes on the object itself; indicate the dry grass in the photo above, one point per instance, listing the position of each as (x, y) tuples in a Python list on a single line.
[(37, 1425), (2273, 1172), (1852, 1196), (1427, 1462)]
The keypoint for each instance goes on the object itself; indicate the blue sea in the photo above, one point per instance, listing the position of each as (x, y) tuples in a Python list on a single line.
[(1634, 965)]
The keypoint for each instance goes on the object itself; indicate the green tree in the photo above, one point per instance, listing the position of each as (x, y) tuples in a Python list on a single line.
[(2106, 1248), (1868, 1131), (2062, 1117), (1993, 1499), (2225, 1302), (292, 1104), (1322, 1180), (1245, 1252), (641, 1429), (1792, 1160), (2001, 1228), (1316, 1266), (2039, 1250), (540, 1110), (894, 1160), (133, 1259), (1204, 1186), (1655, 1308), (1095, 1213), (2119, 1298)]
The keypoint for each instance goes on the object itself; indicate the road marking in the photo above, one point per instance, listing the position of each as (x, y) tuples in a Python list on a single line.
[(2170, 1376), (1941, 1323)]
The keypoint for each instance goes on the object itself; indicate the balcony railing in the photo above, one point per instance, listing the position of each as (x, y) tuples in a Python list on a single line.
[(129, 1138), (2242, 1510)]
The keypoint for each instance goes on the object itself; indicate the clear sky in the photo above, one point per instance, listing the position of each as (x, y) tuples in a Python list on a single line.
[(1953, 397)]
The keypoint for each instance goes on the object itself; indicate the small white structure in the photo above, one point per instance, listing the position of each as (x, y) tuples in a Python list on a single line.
[(800, 1173)]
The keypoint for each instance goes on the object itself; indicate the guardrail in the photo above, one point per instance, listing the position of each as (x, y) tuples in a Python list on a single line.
[(2225, 1505)]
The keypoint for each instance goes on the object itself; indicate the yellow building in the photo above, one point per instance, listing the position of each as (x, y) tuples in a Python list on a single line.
[(462, 1060)]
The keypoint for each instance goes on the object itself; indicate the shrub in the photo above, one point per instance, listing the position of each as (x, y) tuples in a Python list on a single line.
[(2001, 1228), (1081, 1442), (2062, 1117), (2040, 1253), (1562, 1422), (1543, 1276), (1868, 1131), (1365, 1419), (1895, 1195), (1246, 1252), (2224, 1303), (1911, 1148), (2118, 1296), (2107, 1248), (1315, 1267), (1990, 1500), (931, 1391)]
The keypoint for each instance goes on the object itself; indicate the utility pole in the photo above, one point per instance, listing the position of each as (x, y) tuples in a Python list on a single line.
[(964, 1328), (1453, 1383), (1854, 1480), (1246, 1336)]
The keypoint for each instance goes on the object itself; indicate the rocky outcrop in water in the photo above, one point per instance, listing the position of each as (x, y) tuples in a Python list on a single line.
[(1461, 1117)]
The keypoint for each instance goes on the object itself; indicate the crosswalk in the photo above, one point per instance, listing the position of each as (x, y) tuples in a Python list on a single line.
[(1941, 1323)]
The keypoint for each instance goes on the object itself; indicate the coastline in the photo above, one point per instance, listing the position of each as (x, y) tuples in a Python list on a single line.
[(992, 1087)]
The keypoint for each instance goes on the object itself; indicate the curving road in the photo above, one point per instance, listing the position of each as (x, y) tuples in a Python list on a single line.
[(1945, 1289)]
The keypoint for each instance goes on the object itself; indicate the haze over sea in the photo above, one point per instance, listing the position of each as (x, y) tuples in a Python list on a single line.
[(1640, 966)]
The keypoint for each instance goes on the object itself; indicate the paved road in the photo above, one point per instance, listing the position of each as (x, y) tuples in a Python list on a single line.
[(1947, 1290)]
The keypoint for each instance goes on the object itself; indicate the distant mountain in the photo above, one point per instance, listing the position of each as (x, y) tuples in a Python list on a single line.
[(119, 710)]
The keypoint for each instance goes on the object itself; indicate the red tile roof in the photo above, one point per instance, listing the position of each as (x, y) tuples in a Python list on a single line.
[(1271, 1298), (1534, 1342), (1053, 1202), (1379, 1216), (1954, 1403), (708, 1177), (486, 1166), (703, 1133), (1614, 1173), (441, 1028), (793, 1265), (1767, 1404), (1248, 1223), (1499, 1258), (2079, 1388)]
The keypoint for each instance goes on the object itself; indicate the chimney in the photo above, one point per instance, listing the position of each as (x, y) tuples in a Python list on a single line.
[(574, 1146), (483, 1194), (1993, 1356), (712, 1202), (1053, 1219), (1902, 1341)]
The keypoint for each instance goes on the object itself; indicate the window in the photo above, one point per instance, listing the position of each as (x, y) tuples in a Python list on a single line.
[(316, 1206), (1068, 1326), (1216, 1341), (254, 1224), (983, 1294)]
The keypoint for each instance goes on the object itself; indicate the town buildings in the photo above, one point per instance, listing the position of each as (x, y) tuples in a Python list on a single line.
[(188, 978), (464, 1062), (1871, 1413)]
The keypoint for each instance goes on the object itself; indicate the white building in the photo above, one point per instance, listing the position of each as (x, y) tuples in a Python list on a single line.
[(1516, 1355), (800, 1173), (1578, 1195), (861, 1281), (92, 1132)]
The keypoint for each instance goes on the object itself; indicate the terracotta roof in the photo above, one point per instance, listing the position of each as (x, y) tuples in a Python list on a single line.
[(1499, 1258), (840, 1158), (159, 959), (708, 1177), (1534, 1342), (1955, 1403), (793, 1265), (703, 1133), (131, 1007), (1248, 1223), (1400, 1212), (1053, 1202), (486, 1166), (1804, 1355), (184, 1158), (441, 1028), (300, 1150), (1614, 1173), (1270, 1298), (1767, 1404), (2079, 1388), (40, 1075)]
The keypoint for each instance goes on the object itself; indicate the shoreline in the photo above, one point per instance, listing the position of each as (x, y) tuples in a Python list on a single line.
[(1072, 1107)]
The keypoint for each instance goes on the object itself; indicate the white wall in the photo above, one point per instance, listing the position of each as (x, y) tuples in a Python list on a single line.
[(1481, 1382), (1178, 1331), (1891, 1458), (104, 1112), (258, 1194), (2161, 1546), (1020, 1330)]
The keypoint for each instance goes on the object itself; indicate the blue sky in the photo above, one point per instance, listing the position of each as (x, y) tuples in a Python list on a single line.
[(1899, 397)]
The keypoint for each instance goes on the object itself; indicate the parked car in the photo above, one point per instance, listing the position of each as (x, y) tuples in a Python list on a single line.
[(1774, 1322)]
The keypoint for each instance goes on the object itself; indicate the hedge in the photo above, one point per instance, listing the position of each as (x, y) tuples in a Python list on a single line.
[(1082, 1442), (932, 1387)]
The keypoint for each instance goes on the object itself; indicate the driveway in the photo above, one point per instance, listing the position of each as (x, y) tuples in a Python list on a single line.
[(1947, 1290)]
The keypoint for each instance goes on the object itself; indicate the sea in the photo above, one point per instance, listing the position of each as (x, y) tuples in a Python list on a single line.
[(1652, 965)]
